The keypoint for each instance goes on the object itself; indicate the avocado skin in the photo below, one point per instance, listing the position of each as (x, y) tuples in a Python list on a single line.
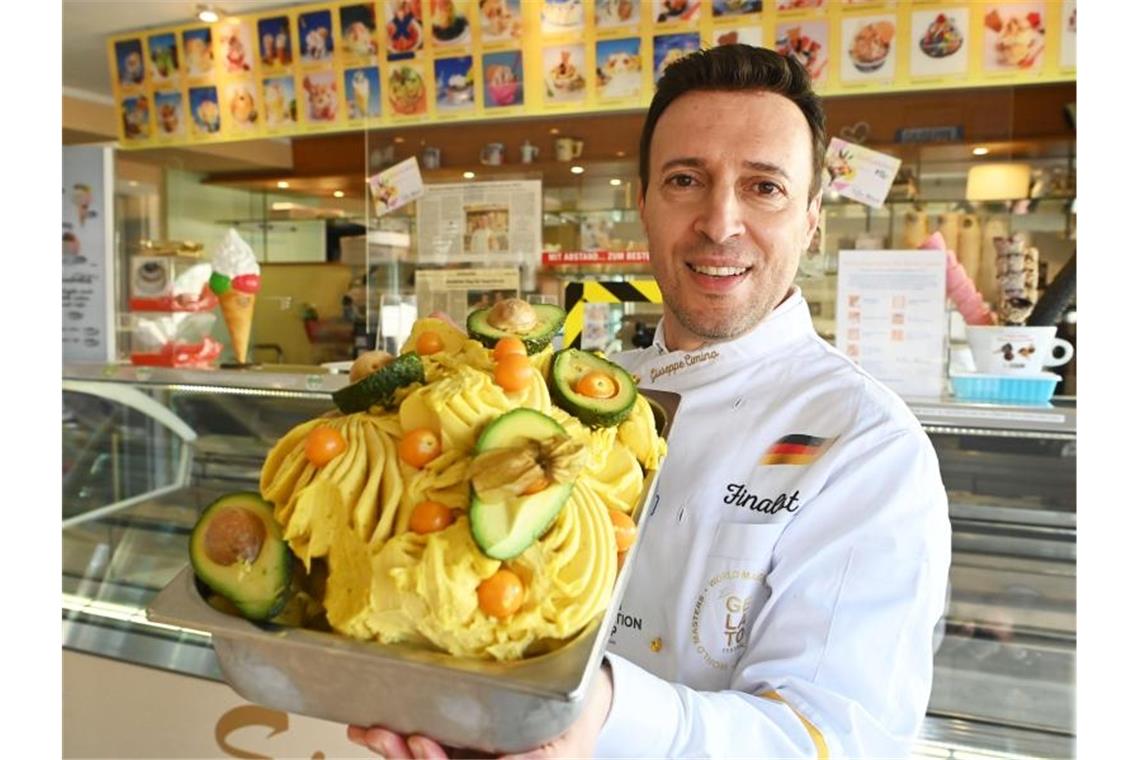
[(591, 411), (550, 319), (263, 593), (509, 430), (380, 387)]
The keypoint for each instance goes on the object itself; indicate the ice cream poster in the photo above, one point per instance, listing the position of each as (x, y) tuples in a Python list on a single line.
[(869, 52), (88, 291), (455, 84), (396, 186), (619, 68), (859, 173), (362, 88)]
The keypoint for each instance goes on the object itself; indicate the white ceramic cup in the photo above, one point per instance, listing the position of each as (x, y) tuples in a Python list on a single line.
[(1016, 350), (567, 148), (492, 154)]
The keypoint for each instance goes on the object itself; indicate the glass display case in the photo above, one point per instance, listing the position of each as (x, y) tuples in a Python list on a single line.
[(145, 450)]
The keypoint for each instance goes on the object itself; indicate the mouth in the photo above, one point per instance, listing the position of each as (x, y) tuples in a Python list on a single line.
[(717, 278)]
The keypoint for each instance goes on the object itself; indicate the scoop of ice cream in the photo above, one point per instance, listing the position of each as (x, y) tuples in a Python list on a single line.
[(234, 266)]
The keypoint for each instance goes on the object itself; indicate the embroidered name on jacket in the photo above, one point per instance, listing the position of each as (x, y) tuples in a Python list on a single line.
[(690, 360), (796, 449), (740, 496)]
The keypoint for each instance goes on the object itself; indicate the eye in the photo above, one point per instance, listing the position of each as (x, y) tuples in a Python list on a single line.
[(680, 180), (767, 188)]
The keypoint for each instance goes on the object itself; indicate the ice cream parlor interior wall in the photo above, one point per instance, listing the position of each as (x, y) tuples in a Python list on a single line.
[(298, 200)]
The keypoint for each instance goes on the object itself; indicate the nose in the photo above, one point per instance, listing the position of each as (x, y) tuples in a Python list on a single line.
[(720, 218)]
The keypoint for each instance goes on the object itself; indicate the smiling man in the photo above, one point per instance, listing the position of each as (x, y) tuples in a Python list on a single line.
[(792, 568)]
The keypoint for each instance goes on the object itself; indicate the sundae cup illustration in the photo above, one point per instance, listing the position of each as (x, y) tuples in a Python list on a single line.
[(236, 280)]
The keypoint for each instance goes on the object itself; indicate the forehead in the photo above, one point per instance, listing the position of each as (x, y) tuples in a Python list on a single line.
[(745, 125)]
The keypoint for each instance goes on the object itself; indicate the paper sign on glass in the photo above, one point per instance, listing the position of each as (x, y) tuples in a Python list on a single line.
[(890, 317), (396, 186), (859, 173)]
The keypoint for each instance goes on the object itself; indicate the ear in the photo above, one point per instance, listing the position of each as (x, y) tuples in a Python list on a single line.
[(815, 207), (641, 203)]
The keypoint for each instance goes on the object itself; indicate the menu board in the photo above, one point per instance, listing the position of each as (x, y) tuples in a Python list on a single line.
[(88, 290), (890, 317), (352, 65)]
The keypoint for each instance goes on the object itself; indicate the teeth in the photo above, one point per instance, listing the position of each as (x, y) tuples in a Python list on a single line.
[(720, 271)]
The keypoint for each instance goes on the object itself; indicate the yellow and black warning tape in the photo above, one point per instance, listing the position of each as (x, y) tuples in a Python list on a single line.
[(578, 294)]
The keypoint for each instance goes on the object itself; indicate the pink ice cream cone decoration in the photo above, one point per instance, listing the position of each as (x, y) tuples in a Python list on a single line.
[(959, 287)]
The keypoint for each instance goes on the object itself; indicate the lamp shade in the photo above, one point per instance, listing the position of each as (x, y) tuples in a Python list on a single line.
[(997, 182)]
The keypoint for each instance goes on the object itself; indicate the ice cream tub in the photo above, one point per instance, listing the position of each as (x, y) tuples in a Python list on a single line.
[(497, 707)]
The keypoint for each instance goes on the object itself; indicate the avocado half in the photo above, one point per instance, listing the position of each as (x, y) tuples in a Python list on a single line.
[(237, 550), (550, 319), (504, 529), (567, 369)]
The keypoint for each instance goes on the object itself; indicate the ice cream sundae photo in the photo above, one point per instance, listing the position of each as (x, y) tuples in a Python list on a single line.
[(872, 45), (942, 37), (565, 79), (1014, 40)]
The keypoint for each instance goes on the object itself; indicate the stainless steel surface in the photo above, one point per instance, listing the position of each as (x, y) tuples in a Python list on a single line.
[(306, 382), (956, 739), (481, 704), (948, 414)]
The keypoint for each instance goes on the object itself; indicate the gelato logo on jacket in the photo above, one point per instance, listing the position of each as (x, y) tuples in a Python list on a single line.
[(796, 449)]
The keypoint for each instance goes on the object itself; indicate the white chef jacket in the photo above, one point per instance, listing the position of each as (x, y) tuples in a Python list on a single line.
[(793, 564)]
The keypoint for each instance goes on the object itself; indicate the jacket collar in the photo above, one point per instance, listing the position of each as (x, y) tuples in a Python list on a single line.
[(788, 323)]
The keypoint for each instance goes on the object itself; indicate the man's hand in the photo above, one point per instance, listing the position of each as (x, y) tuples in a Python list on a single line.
[(579, 740)]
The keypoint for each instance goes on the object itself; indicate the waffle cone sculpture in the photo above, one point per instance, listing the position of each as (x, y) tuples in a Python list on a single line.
[(237, 311), (236, 281)]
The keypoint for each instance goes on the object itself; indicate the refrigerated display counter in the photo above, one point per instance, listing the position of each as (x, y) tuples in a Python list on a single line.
[(146, 449)]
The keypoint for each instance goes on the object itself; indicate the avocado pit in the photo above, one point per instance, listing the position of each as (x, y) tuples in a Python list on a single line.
[(234, 534)]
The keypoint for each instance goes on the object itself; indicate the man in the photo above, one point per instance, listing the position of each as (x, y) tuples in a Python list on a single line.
[(793, 567)]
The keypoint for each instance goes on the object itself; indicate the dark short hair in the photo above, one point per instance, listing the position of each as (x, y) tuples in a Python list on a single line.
[(729, 68)]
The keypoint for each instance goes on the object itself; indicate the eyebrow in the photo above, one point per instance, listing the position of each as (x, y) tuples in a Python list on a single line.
[(696, 163)]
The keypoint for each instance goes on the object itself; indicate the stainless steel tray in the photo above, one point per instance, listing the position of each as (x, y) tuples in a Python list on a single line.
[(479, 704)]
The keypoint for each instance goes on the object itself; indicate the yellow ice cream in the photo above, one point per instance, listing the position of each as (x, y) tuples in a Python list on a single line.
[(393, 585)]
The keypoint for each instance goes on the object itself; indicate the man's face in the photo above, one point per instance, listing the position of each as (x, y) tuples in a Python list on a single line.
[(726, 210)]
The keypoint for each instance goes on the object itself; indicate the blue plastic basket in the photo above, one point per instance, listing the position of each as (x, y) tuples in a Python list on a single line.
[(1005, 389)]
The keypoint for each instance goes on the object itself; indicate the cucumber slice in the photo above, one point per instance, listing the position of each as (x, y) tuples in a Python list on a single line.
[(380, 387)]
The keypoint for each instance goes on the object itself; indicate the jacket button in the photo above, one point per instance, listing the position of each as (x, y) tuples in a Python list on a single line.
[(656, 645)]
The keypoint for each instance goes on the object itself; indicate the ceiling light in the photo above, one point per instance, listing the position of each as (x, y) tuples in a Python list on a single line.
[(338, 193), (468, 175), (207, 14), (980, 151), (621, 154), (576, 170), (397, 139), (554, 130), (283, 184), (133, 183), (615, 182)]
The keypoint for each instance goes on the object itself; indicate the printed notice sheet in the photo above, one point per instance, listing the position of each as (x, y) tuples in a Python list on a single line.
[(458, 292), (890, 317)]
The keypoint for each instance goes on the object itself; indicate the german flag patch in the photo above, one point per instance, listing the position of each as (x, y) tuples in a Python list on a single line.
[(795, 449)]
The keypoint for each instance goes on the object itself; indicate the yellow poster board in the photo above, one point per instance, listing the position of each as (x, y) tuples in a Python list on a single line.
[(356, 65)]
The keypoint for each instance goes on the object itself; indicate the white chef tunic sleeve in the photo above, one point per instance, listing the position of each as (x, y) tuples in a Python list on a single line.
[(839, 661)]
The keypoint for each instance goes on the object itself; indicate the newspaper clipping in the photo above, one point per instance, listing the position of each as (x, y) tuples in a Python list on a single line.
[(490, 223)]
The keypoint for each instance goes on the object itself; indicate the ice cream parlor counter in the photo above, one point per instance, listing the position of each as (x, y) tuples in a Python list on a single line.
[(146, 449)]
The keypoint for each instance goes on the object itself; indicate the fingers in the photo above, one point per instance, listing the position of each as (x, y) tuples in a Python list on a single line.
[(392, 746), (424, 748), (382, 741)]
